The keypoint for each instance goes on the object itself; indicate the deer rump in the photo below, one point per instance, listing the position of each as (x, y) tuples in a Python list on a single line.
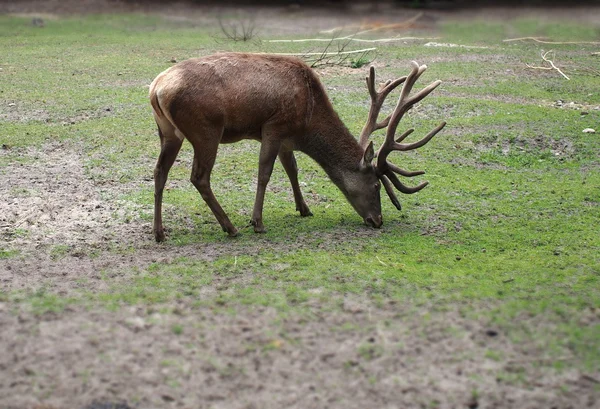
[(279, 101)]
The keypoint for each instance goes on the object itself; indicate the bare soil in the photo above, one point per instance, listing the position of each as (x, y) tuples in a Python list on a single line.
[(355, 358), (185, 356)]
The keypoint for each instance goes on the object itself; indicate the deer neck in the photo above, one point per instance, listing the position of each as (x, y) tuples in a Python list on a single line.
[(333, 147)]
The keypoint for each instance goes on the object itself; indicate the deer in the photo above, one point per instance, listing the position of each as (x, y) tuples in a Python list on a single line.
[(280, 102)]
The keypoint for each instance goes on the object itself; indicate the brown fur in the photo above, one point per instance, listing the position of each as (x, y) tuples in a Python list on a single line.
[(276, 100)]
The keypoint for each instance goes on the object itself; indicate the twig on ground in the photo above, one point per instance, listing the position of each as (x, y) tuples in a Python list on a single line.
[(381, 262), (451, 45), (326, 57), (358, 40), (323, 59), (540, 40), (545, 58), (590, 378), (329, 53), (549, 61)]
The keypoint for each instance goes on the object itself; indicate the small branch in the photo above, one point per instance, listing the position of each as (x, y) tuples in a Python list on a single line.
[(536, 39), (328, 53), (450, 45), (590, 378), (545, 58), (537, 67), (381, 262), (549, 61), (539, 40), (351, 38)]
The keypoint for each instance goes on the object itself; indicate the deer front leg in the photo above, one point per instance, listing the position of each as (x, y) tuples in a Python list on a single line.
[(169, 148), (291, 168), (268, 153)]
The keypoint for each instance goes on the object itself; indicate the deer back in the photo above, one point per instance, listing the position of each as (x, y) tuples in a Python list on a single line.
[(240, 92)]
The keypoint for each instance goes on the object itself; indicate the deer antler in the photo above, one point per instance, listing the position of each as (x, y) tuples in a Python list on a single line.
[(387, 171), (377, 99)]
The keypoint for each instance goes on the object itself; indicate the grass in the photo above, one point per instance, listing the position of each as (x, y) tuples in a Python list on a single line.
[(507, 229)]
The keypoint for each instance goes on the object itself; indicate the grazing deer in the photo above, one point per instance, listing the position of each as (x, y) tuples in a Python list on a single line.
[(279, 101)]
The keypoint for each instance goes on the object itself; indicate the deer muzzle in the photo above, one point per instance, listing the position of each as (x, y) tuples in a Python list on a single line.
[(374, 221)]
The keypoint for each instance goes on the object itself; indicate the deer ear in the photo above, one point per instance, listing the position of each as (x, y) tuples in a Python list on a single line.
[(368, 156)]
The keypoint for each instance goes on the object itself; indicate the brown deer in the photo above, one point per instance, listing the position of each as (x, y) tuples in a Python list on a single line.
[(279, 101)]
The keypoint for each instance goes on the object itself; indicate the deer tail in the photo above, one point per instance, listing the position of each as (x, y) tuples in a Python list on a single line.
[(154, 102)]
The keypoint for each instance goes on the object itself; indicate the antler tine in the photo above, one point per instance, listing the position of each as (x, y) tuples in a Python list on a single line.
[(402, 187), (377, 100), (416, 71), (405, 102), (418, 144), (390, 181), (406, 173), (390, 191), (387, 171)]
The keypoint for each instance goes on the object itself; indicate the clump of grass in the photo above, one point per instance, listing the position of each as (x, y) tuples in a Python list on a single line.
[(359, 62)]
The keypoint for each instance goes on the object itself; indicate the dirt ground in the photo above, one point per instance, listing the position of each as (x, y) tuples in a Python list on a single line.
[(360, 356)]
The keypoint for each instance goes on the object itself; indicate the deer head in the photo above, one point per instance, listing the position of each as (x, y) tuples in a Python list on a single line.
[(362, 189)]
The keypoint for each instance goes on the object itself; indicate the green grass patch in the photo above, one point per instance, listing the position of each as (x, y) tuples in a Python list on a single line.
[(508, 227), (8, 253)]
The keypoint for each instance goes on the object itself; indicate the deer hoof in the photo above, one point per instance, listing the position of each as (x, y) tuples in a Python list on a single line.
[(258, 226), (159, 235), (306, 213)]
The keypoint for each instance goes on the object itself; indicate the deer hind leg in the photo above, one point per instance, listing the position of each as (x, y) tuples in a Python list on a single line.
[(205, 154), (288, 160), (169, 148)]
